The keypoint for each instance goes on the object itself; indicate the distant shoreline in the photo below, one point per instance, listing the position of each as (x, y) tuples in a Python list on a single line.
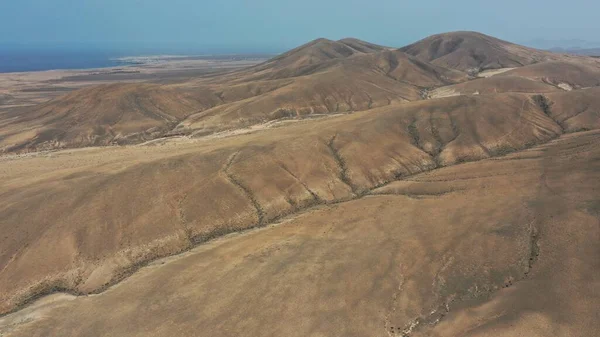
[(24, 62)]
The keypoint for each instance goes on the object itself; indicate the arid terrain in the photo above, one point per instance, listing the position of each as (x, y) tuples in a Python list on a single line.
[(447, 188)]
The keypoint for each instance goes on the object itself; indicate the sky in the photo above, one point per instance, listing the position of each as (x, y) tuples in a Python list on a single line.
[(256, 26)]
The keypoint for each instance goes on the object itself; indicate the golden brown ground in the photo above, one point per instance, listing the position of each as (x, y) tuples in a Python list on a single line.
[(501, 247)]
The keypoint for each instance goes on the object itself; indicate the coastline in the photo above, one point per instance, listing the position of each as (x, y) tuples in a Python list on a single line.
[(28, 88)]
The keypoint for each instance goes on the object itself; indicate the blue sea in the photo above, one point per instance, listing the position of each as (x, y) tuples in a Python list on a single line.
[(21, 58), (32, 60)]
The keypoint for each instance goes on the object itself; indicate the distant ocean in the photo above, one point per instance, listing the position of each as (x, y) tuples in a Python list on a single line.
[(21, 60)]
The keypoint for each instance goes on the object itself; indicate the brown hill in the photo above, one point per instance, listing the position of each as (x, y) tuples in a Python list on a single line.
[(474, 52), (101, 115), (310, 57), (573, 111), (494, 85), (569, 75), (112, 209), (503, 247), (357, 83), (323, 77), (362, 46), (542, 77)]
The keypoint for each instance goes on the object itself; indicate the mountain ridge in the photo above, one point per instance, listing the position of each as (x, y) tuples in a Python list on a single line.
[(318, 78), (473, 52)]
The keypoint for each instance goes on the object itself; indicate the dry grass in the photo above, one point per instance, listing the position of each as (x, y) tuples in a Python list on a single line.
[(510, 251), (113, 209)]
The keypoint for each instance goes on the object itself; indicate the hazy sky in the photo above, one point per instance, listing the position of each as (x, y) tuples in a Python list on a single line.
[(275, 25)]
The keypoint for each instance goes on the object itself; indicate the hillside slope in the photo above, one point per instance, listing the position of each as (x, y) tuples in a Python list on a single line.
[(323, 77), (503, 247), (309, 58), (568, 75), (114, 210), (340, 86), (474, 52), (541, 78), (100, 115)]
